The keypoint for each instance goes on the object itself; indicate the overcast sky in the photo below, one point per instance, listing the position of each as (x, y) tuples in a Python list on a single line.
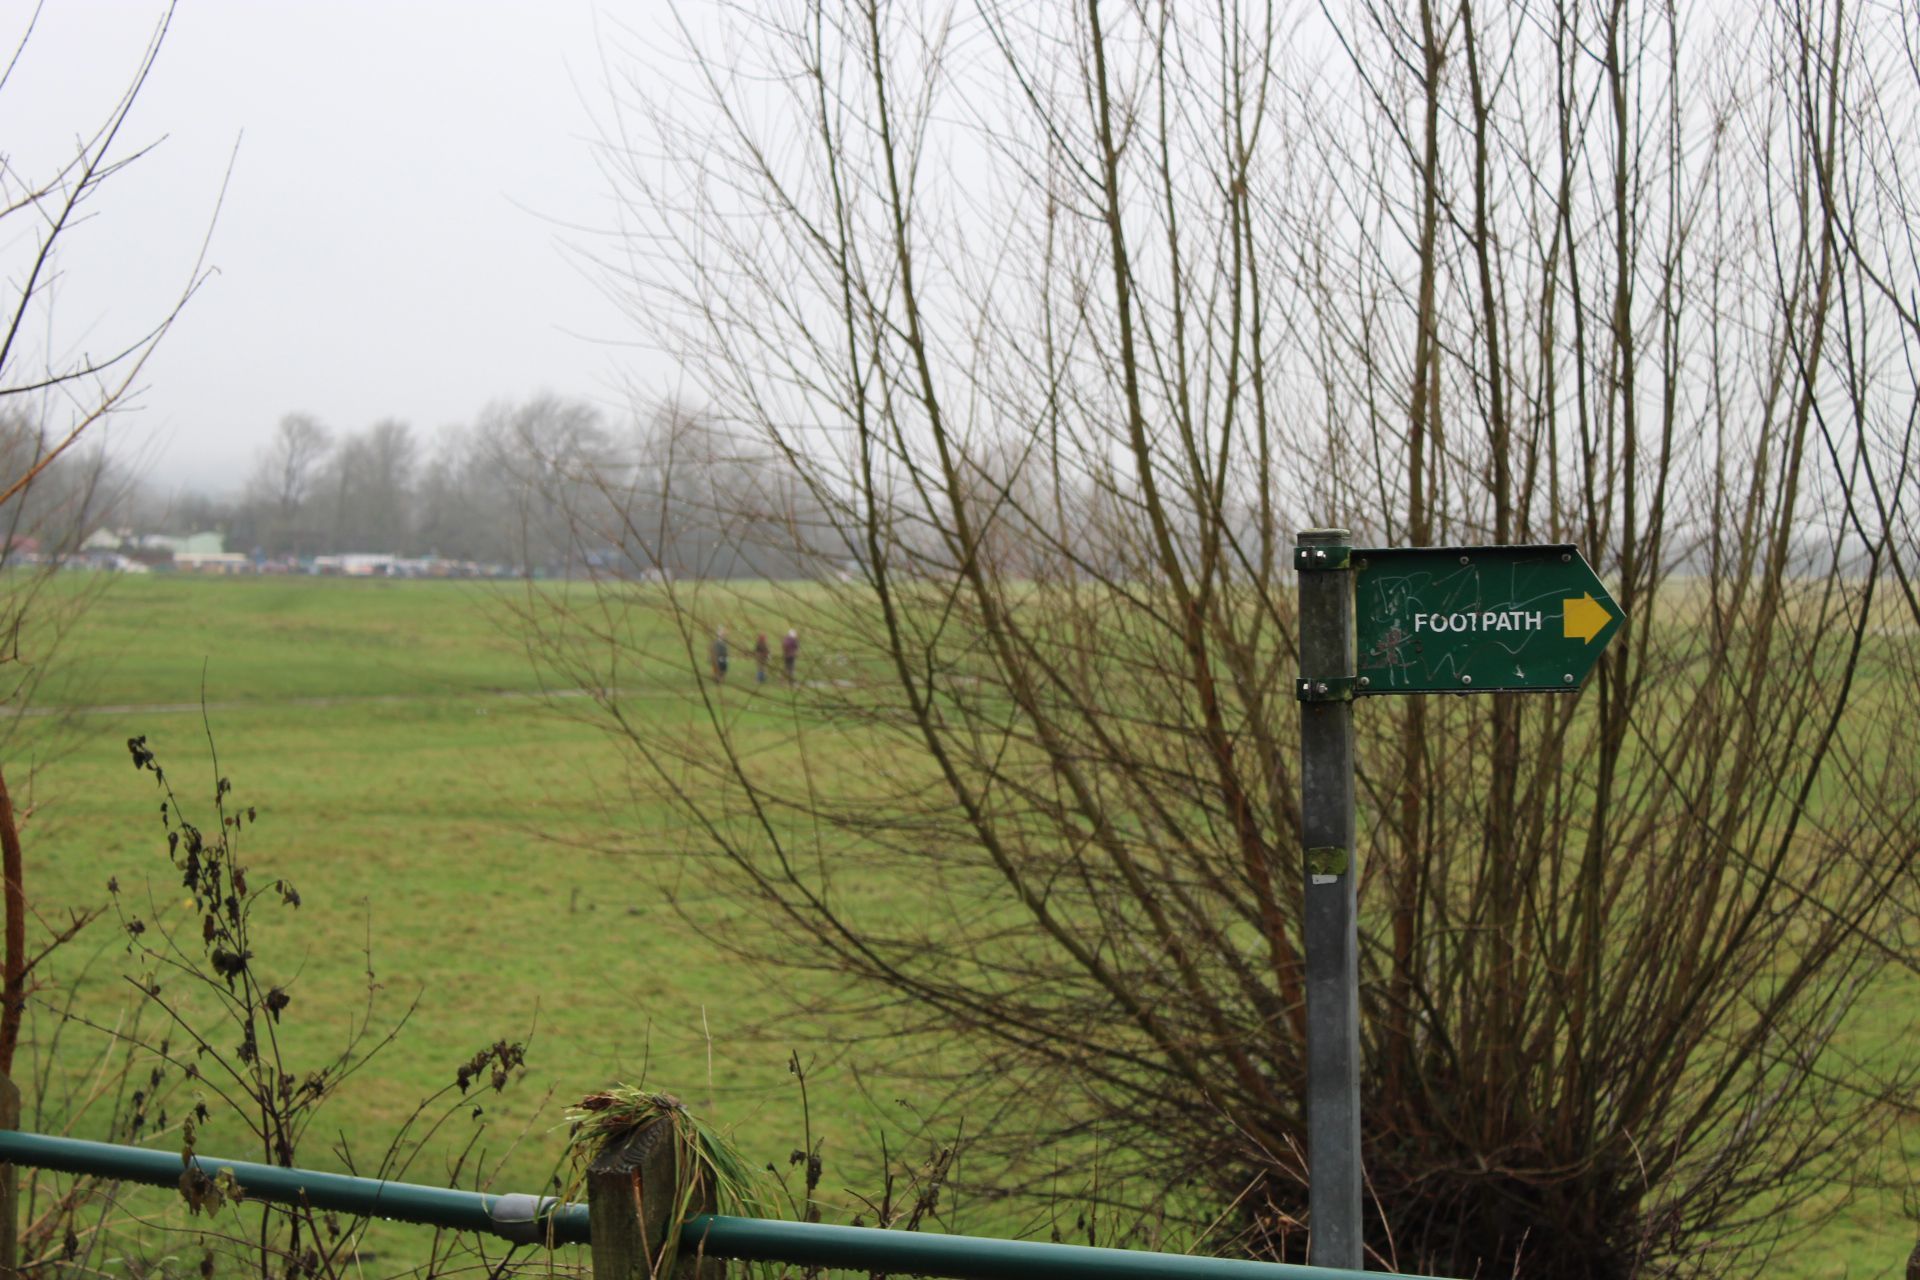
[(391, 238)]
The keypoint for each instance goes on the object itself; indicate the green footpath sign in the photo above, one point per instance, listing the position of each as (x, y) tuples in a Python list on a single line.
[(1399, 620), (1477, 619)]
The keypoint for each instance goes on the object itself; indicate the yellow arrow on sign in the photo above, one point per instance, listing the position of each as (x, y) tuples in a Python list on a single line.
[(1585, 618)]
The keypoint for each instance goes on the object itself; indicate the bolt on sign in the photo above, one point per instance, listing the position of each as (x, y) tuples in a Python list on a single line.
[(1477, 619)]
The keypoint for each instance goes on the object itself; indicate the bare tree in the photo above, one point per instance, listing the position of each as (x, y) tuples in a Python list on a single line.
[(1063, 320), (288, 467), (540, 455), (52, 394), (68, 392), (1855, 84), (508, 489), (368, 484), (285, 476), (53, 486)]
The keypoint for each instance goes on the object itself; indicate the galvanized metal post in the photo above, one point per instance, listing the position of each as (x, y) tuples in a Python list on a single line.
[(632, 1193), (1331, 869)]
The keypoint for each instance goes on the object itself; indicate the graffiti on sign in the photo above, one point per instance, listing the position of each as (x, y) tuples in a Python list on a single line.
[(1478, 619)]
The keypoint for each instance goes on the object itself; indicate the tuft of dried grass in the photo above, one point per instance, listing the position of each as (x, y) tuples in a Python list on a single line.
[(707, 1167)]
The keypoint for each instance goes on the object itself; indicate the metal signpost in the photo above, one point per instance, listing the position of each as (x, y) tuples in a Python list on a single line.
[(1396, 620), (1332, 941)]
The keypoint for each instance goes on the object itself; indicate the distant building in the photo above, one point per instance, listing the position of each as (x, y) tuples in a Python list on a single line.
[(355, 565), (207, 543), (212, 562), (201, 544), (114, 562)]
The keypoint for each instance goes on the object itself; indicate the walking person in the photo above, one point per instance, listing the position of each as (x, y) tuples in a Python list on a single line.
[(760, 655), (720, 655), (790, 651)]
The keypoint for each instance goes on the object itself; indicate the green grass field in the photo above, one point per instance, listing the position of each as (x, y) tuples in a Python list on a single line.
[(472, 843), (444, 825)]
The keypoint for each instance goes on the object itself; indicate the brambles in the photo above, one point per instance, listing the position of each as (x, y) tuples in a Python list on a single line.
[(501, 1056), (228, 1001)]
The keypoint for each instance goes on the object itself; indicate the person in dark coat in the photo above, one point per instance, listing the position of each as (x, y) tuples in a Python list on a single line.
[(790, 651), (760, 655)]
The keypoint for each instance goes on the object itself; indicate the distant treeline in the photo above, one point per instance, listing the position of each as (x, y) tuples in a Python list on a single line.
[(546, 485), (551, 485)]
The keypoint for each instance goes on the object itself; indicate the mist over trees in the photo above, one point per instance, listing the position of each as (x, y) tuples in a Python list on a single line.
[(547, 485), (65, 500), (283, 482), (463, 494)]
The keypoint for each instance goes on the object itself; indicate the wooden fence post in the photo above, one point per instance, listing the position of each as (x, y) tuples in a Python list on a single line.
[(630, 1204), (9, 1186)]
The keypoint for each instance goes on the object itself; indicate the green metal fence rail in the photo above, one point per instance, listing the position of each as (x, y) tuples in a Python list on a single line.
[(520, 1218), (870, 1249), (534, 1220)]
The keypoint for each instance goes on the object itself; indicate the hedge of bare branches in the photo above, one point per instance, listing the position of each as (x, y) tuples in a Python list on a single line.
[(1050, 325)]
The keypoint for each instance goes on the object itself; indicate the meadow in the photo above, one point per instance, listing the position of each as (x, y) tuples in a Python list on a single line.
[(468, 845), (462, 843)]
